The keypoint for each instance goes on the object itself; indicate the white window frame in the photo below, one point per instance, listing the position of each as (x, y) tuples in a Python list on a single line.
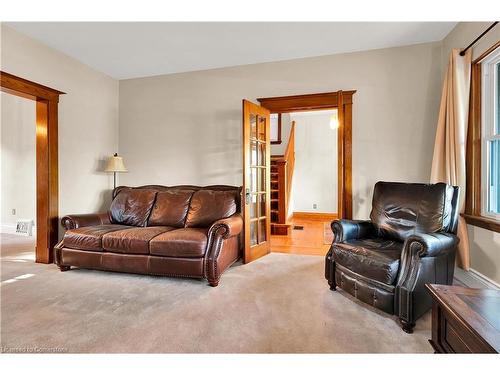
[(489, 104)]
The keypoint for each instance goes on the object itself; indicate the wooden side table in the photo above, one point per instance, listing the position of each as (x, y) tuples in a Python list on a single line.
[(465, 320)]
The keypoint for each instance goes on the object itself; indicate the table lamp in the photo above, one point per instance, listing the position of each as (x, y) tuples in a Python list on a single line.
[(115, 164)]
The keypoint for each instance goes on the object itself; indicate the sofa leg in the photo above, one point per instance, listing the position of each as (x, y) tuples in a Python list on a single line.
[(333, 286), (64, 268), (213, 282), (407, 326)]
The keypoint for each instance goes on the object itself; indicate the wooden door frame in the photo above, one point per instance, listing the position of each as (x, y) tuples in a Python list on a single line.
[(47, 183), (342, 101)]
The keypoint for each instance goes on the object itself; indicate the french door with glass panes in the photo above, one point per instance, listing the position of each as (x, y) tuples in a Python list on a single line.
[(256, 180)]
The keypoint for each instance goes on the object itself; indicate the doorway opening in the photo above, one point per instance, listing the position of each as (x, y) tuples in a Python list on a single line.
[(45, 100), (17, 180), (311, 169), (309, 162)]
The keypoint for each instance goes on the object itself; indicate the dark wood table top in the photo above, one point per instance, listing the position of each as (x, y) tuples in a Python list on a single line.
[(478, 309)]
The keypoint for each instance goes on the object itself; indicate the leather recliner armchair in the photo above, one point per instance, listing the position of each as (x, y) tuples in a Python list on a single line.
[(410, 240)]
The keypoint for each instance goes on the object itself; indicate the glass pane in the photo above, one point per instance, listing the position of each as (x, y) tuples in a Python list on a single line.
[(253, 206), (253, 126), (253, 179), (497, 104), (262, 128), (262, 205), (253, 153), (262, 179), (262, 230), (494, 177), (262, 154), (253, 233)]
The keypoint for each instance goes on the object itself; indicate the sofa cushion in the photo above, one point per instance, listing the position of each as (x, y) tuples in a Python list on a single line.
[(132, 207), (375, 258), (171, 208), (399, 209), (208, 206), (131, 240), (185, 242), (89, 238)]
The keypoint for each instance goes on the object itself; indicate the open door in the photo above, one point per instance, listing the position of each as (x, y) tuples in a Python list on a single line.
[(256, 180)]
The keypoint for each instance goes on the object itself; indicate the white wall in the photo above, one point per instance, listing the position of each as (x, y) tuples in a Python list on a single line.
[(17, 150), (88, 118), (186, 128), (315, 175), (484, 244)]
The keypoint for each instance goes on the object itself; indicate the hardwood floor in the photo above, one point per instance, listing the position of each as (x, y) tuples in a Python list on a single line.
[(314, 239)]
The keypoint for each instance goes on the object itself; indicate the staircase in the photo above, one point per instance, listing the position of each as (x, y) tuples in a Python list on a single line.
[(281, 183)]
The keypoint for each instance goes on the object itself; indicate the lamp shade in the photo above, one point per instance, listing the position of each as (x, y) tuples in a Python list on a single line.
[(115, 164)]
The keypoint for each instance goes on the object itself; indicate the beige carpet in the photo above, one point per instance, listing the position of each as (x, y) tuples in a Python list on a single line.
[(278, 304)]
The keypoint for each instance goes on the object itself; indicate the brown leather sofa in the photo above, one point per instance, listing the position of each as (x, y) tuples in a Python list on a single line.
[(409, 241), (182, 231)]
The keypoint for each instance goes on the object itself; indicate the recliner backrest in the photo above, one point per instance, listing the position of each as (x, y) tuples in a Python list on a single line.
[(402, 209)]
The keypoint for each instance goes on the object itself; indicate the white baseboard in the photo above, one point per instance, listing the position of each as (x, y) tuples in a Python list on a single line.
[(475, 279), (8, 228)]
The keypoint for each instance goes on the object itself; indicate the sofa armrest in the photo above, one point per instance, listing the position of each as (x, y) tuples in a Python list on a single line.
[(429, 244), (228, 227), (344, 230), (85, 220)]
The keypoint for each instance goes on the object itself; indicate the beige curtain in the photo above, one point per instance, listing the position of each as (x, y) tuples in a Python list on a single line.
[(448, 162)]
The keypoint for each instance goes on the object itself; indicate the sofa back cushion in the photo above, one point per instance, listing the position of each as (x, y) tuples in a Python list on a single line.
[(171, 208), (401, 209), (208, 206), (132, 206)]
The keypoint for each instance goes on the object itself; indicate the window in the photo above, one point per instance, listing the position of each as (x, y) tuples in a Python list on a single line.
[(490, 139), (275, 128), (482, 201)]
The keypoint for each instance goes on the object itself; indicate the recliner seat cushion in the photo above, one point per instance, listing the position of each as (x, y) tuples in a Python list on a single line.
[(400, 210), (208, 206), (374, 258), (131, 240), (132, 207), (89, 238), (185, 242), (171, 208)]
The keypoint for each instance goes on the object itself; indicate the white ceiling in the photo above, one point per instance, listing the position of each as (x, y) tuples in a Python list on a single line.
[(139, 49)]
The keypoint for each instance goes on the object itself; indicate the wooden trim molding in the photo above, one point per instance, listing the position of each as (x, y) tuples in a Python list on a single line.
[(47, 191), (482, 222), (342, 101), (326, 100), (473, 200)]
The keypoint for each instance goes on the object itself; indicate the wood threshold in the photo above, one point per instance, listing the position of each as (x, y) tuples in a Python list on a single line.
[(482, 222), (322, 216)]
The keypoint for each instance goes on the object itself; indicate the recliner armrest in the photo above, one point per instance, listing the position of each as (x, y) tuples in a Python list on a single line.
[(344, 230), (430, 244), (85, 220), (228, 227)]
